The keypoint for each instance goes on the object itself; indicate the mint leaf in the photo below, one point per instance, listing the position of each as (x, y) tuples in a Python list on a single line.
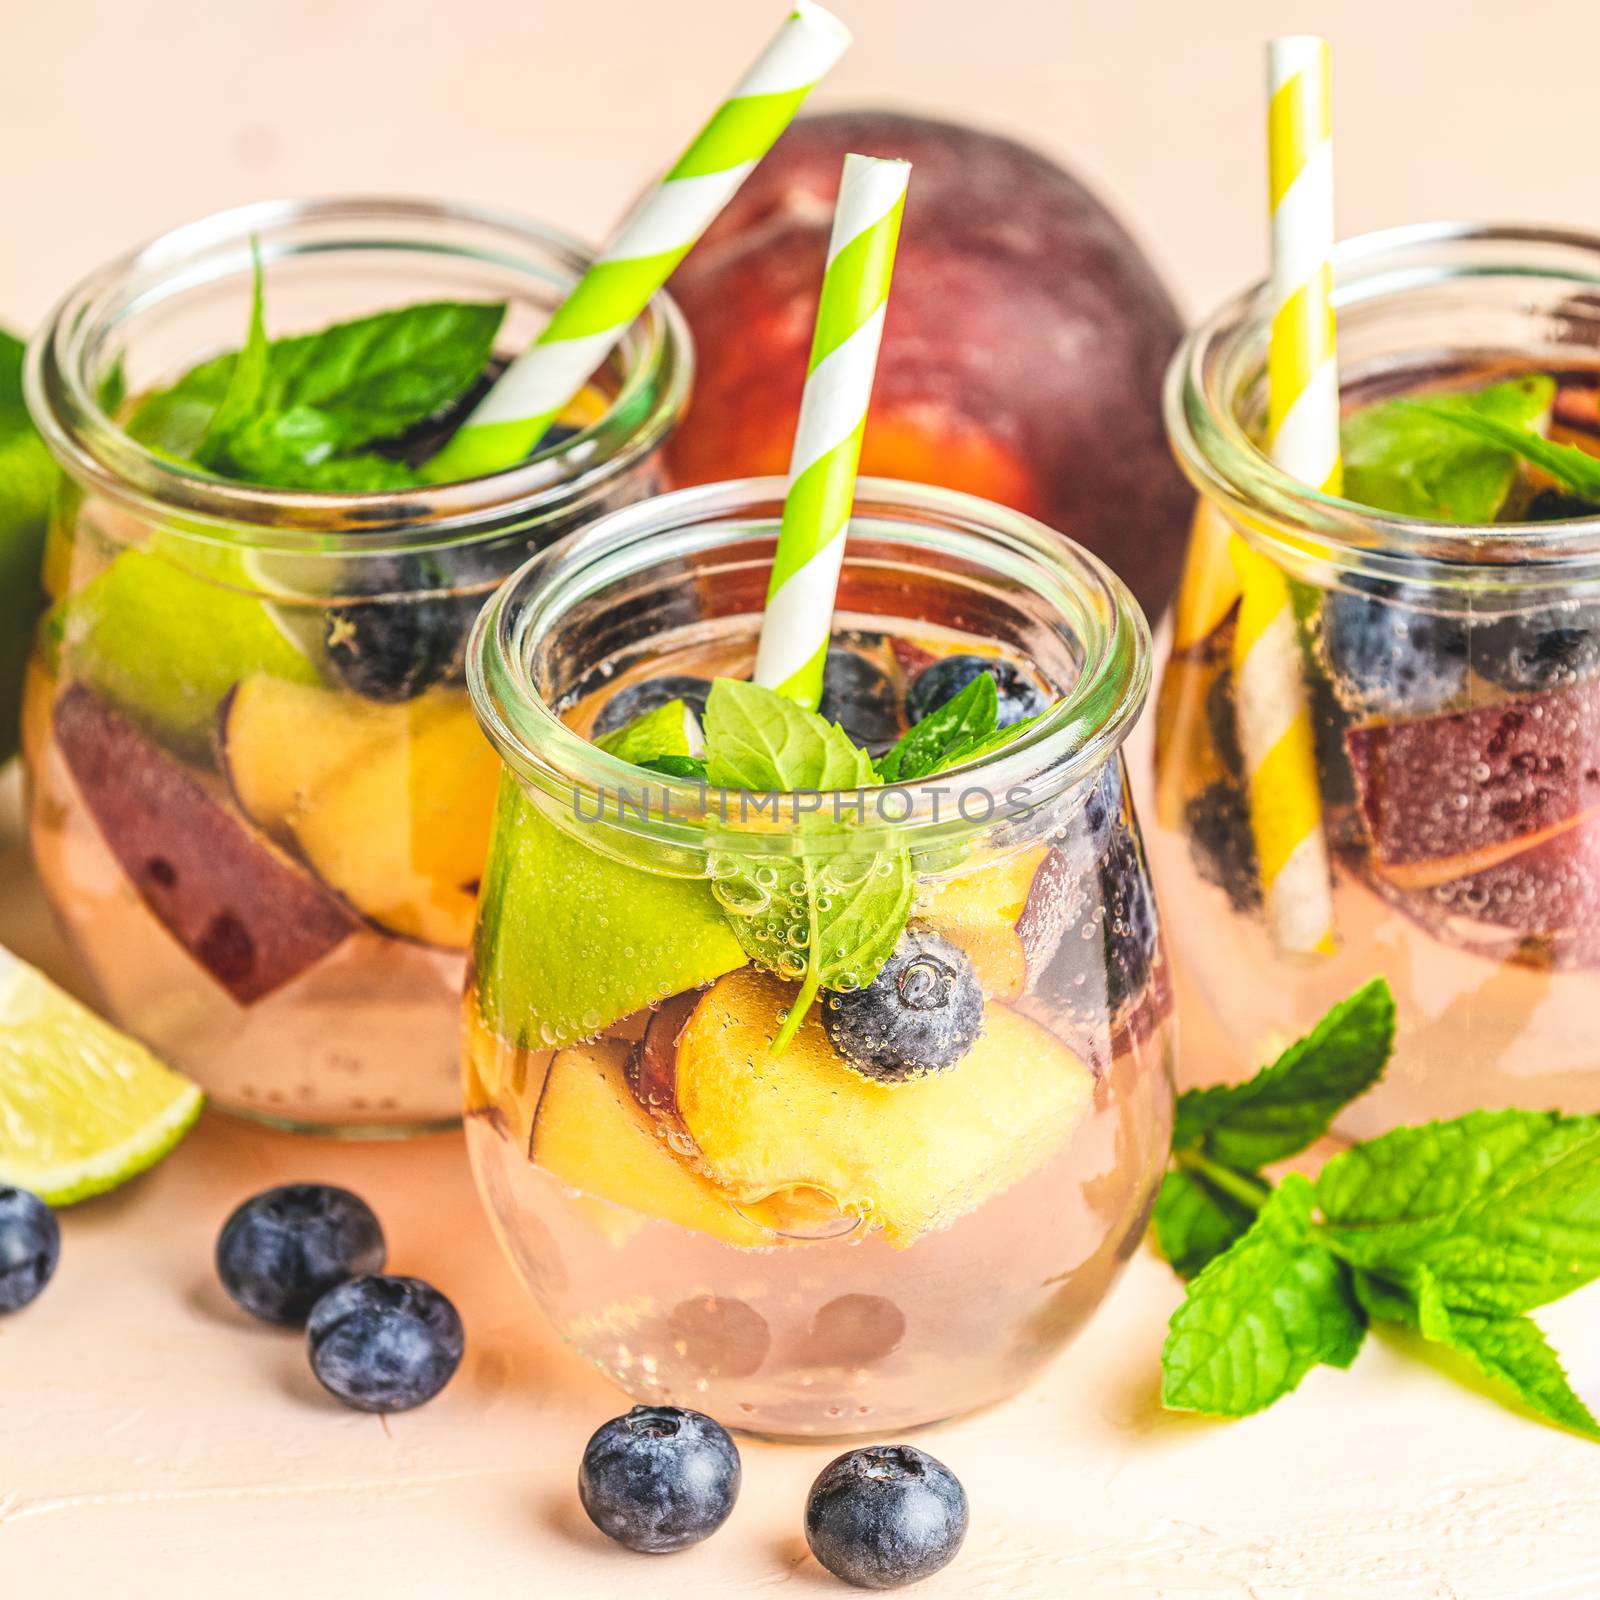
[(369, 379), (1261, 1315), (962, 720), (676, 766), (825, 919), (1291, 1104), (1512, 1351), (248, 380), (758, 740), (988, 745), (1414, 458), (668, 732), (1574, 468), (1195, 1221), (1498, 1210)]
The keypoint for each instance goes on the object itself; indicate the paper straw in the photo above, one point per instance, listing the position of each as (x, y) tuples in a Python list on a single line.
[(1275, 734), (833, 416), (532, 392)]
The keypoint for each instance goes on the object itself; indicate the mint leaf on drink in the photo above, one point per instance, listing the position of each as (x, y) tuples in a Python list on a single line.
[(962, 720), (1413, 457), (980, 749), (1261, 1315), (1571, 467), (1291, 1104), (825, 917), (1453, 1229), (323, 396), (241, 400)]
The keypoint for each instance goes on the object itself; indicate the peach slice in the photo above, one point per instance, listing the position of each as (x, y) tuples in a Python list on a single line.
[(592, 1135), (391, 804), (906, 1157), (248, 914), (1007, 914)]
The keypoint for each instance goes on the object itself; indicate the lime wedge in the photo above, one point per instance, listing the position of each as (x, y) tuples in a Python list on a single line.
[(83, 1108)]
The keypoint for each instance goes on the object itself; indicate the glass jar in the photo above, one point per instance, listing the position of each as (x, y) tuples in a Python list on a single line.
[(1449, 676), (791, 1243), (258, 797)]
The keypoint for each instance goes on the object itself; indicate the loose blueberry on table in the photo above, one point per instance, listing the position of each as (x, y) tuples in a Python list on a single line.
[(30, 1247), (282, 1250), (885, 1515), (1020, 697), (384, 1343), (659, 1479), (921, 1013)]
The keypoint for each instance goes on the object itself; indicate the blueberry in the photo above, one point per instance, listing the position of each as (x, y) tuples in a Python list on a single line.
[(1540, 649), (384, 1343), (1105, 955), (1555, 505), (397, 630), (1020, 696), (1387, 658), (30, 1246), (920, 1014), (885, 1515), (1102, 811), (650, 695), (861, 698), (659, 1479), (1217, 821), (279, 1253)]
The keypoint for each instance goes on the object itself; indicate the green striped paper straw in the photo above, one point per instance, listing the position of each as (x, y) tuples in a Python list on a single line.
[(833, 416), (532, 392)]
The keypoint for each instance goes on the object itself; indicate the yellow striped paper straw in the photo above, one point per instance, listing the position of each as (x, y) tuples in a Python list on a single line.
[(532, 392), (1275, 733), (798, 620)]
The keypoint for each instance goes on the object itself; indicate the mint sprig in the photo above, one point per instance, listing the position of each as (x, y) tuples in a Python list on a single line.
[(963, 719), (301, 412), (1432, 460), (824, 918), (1453, 1229), (1571, 467)]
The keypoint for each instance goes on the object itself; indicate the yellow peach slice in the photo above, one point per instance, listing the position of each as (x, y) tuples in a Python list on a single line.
[(390, 804), (1006, 913), (592, 1135), (907, 1157)]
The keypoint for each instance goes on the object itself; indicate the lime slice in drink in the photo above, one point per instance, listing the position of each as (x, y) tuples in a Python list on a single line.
[(83, 1107)]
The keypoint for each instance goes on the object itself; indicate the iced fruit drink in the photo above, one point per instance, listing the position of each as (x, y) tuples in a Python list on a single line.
[(825, 1118), (1448, 612), (259, 799)]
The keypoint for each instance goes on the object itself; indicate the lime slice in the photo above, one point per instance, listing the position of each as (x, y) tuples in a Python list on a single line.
[(83, 1108)]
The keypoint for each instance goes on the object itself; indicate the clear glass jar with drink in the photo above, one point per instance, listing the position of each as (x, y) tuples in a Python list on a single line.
[(892, 1201), (259, 800), (1447, 613)]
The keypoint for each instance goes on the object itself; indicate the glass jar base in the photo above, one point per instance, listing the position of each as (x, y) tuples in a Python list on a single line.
[(355, 1132)]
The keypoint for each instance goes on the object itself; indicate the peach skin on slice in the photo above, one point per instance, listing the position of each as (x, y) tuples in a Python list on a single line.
[(390, 804), (592, 1135), (1007, 914), (907, 1157)]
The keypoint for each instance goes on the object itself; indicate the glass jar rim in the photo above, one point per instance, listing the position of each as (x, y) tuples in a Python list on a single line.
[(1069, 742), (99, 454), (1219, 455)]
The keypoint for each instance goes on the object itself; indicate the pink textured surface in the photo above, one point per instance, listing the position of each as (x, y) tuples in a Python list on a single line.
[(155, 1443)]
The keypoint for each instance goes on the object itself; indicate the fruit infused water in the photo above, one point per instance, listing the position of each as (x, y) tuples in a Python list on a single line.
[(1448, 627), (825, 1117), (259, 799)]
